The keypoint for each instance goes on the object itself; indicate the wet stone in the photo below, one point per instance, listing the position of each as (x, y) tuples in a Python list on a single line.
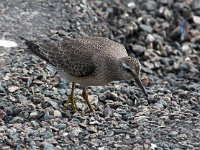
[(109, 133), (150, 6), (146, 28)]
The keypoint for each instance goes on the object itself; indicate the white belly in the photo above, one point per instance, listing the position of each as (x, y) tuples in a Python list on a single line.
[(86, 81)]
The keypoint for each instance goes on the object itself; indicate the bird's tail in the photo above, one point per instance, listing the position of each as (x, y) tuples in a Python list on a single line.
[(31, 46), (35, 48)]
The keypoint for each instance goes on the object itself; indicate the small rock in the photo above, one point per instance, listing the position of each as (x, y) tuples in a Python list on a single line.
[(196, 19), (118, 145), (101, 148), (61, 126), (118, 116), (196, 5), (150, 5), (93, 122), (5, 147), (150, 38), (146, 28), (47, 116), (109, 133), (185, 48), (197, 108), (182, 136), (94, 100), (138, 49), (92, 129), (108, 112), (33, 114), (53, 104), (17, 119), (2, 89), (13, 88), (161, 104), (166, 2), (131, 5), (48, 146), (153, 146), (173, 133), (62, 91), (76, 131), (57, 113), (166, 13), (102, 96), (38, 82), (47, 135), (2, 113)]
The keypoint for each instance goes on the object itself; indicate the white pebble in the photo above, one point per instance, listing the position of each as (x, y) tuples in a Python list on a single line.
[(57, 113)]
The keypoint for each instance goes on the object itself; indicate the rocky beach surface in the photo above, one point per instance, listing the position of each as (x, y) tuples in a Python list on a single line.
[(163, 34)]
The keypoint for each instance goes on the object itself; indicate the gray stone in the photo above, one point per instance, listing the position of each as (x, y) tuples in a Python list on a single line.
[(146, 28), (150, 5)]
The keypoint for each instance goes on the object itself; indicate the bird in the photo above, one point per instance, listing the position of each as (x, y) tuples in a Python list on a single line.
[(89, 61)]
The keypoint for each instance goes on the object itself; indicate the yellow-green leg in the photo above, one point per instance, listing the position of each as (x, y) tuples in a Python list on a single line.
[(85, 96), (71, 98)]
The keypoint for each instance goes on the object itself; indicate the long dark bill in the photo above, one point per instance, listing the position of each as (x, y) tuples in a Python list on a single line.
[(139, 83)]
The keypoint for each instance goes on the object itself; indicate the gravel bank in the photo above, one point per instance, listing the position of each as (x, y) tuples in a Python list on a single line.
[(164, 35)]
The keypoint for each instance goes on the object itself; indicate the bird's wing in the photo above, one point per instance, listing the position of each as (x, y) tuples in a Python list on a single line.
[(71, 57), (77, 58)]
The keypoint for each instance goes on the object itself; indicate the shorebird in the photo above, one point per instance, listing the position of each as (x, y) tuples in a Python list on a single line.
[(90, 61)]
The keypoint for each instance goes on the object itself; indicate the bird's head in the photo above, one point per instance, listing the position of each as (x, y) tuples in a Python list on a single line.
[(131, 70)]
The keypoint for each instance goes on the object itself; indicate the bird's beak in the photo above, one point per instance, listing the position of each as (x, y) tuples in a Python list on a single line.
[(139, 83)]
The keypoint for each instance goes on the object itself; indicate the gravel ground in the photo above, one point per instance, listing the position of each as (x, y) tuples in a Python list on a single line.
[(164, 35)]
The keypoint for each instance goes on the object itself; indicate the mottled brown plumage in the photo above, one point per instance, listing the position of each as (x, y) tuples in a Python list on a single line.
[(90, 61)]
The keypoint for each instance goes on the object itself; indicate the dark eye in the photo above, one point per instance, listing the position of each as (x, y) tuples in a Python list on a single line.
[(128, 70)]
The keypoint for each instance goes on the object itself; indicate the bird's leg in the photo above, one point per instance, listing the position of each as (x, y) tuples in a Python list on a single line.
[(71, 98), (85, 96)]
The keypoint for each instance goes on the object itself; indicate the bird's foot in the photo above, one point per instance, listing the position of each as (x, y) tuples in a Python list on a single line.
[(73, 103), (91, 110), (85, 97)]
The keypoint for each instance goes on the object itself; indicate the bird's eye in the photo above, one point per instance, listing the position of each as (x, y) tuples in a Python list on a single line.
[(128, 70)]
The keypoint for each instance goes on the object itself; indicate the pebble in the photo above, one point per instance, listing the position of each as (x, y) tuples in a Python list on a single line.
[(131, 5), (102, 96), (17, 119), (33, 114), (109, 133), (196, 5), (146, 28), (13, 88), (150, 38), (47, 135), (48, 117), (185, 48), (108, 112), (150, 6), (2, 89), (57, 113), (196, 19), (138, 49), (173, 133), (48, 146), (2, 114), (101, 148), (61, 126), (54, 104), (75, 131), (117, 116)]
